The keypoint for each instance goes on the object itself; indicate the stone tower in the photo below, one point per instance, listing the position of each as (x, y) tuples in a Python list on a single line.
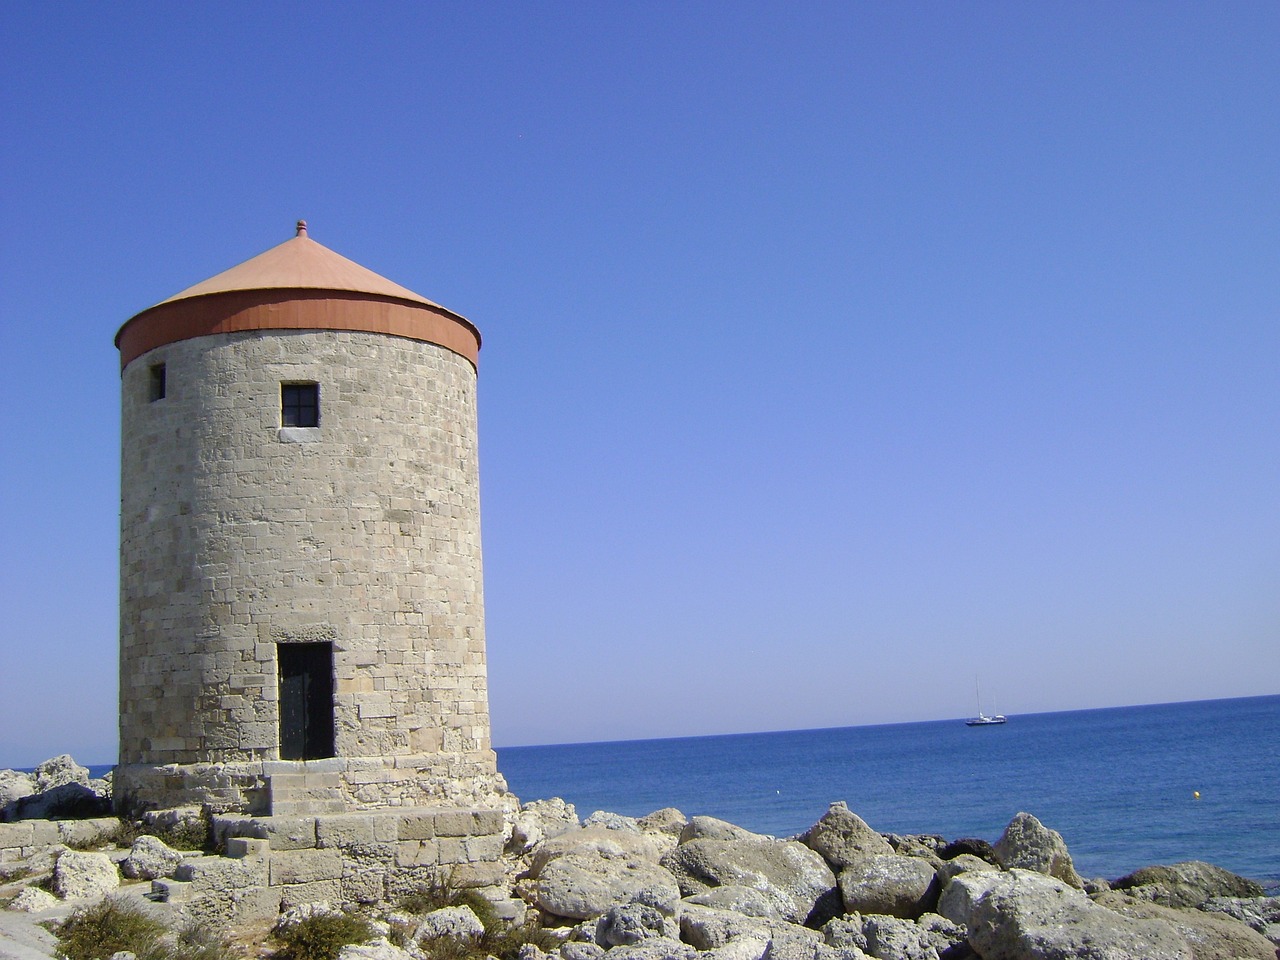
[(301, 607)]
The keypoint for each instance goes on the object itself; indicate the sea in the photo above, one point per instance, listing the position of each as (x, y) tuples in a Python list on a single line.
[(1126, 787)]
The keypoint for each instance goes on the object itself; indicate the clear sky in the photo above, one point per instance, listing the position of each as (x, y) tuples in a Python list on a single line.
[(835, 354)]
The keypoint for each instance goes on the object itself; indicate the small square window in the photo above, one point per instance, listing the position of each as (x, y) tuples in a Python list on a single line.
[(299, 404), (156, 388)]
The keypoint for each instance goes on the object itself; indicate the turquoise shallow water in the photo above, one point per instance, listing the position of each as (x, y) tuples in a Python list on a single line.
[(1119, 784)]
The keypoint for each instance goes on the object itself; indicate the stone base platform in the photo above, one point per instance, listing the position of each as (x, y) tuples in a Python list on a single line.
[(272, 863), (298, 787)]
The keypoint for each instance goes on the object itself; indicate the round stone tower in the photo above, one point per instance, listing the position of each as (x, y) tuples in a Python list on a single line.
[(301, 608)]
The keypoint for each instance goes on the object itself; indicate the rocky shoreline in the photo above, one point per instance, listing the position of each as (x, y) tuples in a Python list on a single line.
[(663, 886)]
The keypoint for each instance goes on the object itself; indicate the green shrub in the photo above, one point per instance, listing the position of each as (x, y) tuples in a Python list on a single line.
[(499, 940), (195, 942), (188, 835), (505, 942), (441, 891), (320, 937), (107, 927), (183, 835)]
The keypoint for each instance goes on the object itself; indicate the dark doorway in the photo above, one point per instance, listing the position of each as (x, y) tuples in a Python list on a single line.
[(306, 700)]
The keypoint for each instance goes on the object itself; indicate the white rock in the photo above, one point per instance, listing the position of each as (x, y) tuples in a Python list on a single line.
[(843, 838), (149, 859), (79, 876), (536, 821), (750, 947), (602, 840), (454, 923), (668, 820), (888, 884), (655, 948), (708, 928), (59, 770), (33, 900), (632, 922), (612, 821), (379, 949), (14, 784), (964, 863), (1030, 845), (303, 911), (1029, 916), (959, 896), (792, 876), (583, 884)]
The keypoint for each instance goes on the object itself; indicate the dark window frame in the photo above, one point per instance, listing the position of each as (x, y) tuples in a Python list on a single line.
[(300, 404), (156, 385)]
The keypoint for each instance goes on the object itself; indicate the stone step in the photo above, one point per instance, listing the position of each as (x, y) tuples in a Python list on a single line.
[(304, 781), (171, 891), (307, 807), (305, 794)]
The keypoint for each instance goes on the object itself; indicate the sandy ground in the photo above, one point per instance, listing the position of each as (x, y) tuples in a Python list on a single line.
[(22, 937)]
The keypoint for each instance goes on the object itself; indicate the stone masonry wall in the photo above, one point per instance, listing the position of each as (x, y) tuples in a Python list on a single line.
[(378, 856), (238, 535)]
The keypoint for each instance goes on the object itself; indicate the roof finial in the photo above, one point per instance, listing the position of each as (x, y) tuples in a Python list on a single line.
[(302, 228)]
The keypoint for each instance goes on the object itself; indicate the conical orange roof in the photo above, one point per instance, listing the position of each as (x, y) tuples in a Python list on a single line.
[(298, 285), (300, 264)]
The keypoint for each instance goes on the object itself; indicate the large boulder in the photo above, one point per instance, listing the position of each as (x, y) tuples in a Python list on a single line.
[(1191, 883), (889, 884), (14, 785), (843, 838), (668, 820), (59, 770), (632, 922), (893, 938), (948, 938), (747, 901), (33, 900), (964, 863), (1029, 845), (654, 948), (612, 821), (149, 859), (961, 894), (609, 842), (457, 924), (749, 947), (536, 821), (1211, 936), (790, 941), (707, 927), (1260, 913), (710, 828), (792, 876), (378, 949), (69, 800), (1026, 915), (583, 884), (81, 876), (922, 845)]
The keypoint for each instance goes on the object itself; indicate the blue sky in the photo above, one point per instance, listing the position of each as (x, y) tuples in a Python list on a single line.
[(835, 354)]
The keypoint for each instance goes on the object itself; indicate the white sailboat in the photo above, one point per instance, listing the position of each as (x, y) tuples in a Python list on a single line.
[(982, 720)]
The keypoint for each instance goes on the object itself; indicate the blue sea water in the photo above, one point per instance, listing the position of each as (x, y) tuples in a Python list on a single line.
[(1119, 784)]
